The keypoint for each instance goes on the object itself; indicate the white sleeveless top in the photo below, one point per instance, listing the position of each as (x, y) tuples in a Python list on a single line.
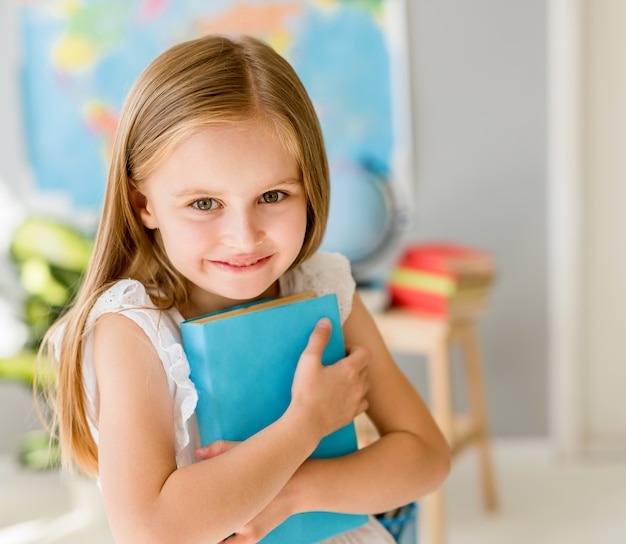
[(323, 273)]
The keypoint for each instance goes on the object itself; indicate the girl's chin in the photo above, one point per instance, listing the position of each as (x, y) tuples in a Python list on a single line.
[(212, 301)]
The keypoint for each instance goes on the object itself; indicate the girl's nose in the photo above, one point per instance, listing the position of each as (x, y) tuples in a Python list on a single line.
[(242, 230)]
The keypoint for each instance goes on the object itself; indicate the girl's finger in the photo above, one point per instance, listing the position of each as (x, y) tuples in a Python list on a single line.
[(213, 450)]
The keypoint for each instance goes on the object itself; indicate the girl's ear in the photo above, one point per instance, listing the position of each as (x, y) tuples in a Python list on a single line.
[(142, 207)]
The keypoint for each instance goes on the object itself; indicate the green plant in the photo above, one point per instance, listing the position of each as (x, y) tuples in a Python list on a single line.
[(50, 258)]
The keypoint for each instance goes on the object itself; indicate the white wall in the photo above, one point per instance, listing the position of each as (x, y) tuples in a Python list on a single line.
[(588, 228), (11, 145), (604, 235), (16, 407)]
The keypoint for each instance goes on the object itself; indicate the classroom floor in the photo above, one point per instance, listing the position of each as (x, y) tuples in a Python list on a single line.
[(541, 502)]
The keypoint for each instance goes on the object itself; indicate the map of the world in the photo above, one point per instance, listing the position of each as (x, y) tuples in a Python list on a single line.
[(81, 57)]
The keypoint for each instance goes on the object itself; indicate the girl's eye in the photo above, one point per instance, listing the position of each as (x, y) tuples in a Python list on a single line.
[(272, 196), (205, 204)]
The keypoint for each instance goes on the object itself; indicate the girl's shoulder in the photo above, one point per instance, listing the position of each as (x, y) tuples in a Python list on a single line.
[(125, 294), (130, 298), (323, 273)]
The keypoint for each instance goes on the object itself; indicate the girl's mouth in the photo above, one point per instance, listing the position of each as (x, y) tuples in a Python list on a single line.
[(242, 264)]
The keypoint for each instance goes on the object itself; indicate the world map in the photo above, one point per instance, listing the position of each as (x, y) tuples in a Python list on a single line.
[(80, 58)]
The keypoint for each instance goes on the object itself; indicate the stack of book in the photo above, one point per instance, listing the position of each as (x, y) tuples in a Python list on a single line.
[(442, 280)]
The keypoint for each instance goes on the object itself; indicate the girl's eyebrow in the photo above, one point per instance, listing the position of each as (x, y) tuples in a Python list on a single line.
[(193, 191), (203, 190), (289, 181)]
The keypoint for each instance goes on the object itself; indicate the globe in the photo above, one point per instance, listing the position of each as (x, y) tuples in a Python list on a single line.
[(362, 218)]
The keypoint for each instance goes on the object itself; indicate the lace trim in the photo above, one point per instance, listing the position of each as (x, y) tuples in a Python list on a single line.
[(323, 273), (130, 298)]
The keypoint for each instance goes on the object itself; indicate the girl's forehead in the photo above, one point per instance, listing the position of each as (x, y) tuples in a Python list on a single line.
[(229, 152), (205, 135), (238, 132)]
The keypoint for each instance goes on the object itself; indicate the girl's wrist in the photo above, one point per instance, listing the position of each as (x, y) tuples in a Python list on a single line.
[(305, 428)]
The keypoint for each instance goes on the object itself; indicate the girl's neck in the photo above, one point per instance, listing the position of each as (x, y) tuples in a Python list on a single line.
[(202, 303)]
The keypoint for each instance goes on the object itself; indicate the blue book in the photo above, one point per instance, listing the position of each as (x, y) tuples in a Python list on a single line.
[(243, 361)]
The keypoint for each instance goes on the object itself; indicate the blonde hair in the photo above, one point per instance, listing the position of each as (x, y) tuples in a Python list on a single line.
[(188, 88)]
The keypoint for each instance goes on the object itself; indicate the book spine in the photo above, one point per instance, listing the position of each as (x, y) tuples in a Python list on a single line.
[(450, 261), (428, 303), (410, 278), (466, 302)]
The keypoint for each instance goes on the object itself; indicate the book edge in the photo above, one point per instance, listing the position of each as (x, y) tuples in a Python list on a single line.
[(252, 307)]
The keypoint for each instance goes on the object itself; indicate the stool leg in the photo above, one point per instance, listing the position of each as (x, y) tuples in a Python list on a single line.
[(439, 372), (469, 344), (438, 361), (431, 521)]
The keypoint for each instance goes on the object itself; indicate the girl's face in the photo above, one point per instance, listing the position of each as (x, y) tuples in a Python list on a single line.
[(229, 203)]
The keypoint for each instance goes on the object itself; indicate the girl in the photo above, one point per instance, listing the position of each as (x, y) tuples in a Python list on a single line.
[(218, 194)]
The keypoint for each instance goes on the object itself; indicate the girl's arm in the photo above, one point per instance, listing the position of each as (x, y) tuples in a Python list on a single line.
[(147, 498), (410, 459)]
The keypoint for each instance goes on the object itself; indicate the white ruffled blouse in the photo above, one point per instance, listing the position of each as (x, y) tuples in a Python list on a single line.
[(323, 273)]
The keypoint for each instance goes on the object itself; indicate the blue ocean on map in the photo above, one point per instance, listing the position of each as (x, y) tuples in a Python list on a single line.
[(80, 59)]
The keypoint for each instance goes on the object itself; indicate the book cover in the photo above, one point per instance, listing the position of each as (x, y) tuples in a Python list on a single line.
[(243, 361)]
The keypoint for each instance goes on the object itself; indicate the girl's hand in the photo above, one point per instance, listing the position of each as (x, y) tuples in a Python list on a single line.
[(330, 396), (270, 518), (213, 450)]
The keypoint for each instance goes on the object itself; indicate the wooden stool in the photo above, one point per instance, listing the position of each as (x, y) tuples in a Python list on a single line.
[(407, 332)]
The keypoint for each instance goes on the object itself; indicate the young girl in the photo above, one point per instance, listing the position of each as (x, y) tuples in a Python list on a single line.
[(218, 194)]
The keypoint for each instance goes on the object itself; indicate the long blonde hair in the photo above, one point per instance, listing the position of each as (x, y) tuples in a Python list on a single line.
[(191, 86)]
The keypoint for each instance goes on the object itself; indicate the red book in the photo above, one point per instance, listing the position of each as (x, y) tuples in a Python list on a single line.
[(468, 303), (450, 260)]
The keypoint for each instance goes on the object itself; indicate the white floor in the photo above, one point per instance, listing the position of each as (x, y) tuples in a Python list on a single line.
[(541, 503)]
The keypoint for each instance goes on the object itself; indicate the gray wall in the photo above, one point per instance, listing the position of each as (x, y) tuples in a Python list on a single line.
[(480, 109)]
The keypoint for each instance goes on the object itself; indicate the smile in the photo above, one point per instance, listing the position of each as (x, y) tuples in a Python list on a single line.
[(242, 264)]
